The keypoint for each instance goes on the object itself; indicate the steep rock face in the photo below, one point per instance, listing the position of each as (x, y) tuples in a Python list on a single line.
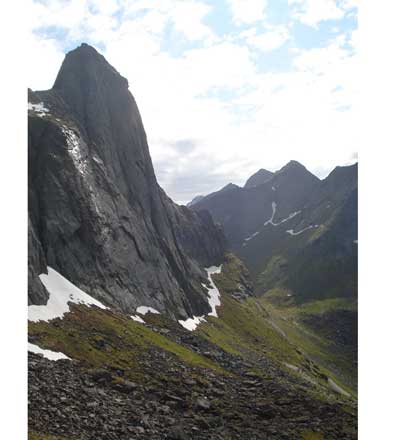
[(98, 215), (37, 293)]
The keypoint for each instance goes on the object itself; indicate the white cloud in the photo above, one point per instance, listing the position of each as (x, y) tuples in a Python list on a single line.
[(312, 12), (272, 39), (247, 11), (187, 18), (44, 60), (212, 97), (105, 7)]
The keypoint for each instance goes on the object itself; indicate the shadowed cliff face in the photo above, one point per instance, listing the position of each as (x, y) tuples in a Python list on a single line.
[(97, 214)]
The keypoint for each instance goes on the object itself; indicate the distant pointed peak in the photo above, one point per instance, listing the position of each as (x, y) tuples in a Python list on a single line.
[(228, 187), (195, 200), (260, 177), (293, 169), (293, 164)]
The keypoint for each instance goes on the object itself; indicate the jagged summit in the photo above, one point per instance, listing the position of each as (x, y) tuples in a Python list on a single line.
[(261, 176)]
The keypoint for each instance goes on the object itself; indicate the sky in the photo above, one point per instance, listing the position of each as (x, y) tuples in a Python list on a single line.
[(224, 87)]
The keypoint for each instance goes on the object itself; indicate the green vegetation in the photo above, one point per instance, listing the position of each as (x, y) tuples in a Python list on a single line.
[(272, 273), (335, 360), (233, 274), (270, 326), (309, 435), (274, 326), (104, 338), (244, 329)]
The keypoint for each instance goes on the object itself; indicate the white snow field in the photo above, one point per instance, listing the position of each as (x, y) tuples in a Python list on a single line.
[(49, 354), (213, 299), (61, 293), (143, 310)]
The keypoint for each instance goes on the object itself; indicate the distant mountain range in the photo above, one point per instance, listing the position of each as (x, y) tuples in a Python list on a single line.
[(293, 230)]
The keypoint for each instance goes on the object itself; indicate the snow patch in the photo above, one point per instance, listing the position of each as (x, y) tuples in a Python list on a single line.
[(271, 219), (74, 148), (143, 310), (273, 188), (61, 293), (39, 108), (213, 299), (137, 319), (251, 236), (335, 387), (213, 291), (292, 232), (292, 367), (192, 323), (48, 354)]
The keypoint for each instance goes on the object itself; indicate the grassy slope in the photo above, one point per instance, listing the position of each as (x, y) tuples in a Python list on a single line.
[(253, 329), (335, 360), (259, 327), (102, 338)]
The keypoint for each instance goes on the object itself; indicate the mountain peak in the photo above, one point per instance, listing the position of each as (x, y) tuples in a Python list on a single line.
[(261, 176), (293, 164), (195, 200), (85, 73), (228, 187), (99, 99), (295, 168)]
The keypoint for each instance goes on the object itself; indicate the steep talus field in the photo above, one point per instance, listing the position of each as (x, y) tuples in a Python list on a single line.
[(96, 211), (236, 377)]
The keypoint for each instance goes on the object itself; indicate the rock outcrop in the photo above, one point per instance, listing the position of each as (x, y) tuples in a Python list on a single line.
[(97, 214)]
